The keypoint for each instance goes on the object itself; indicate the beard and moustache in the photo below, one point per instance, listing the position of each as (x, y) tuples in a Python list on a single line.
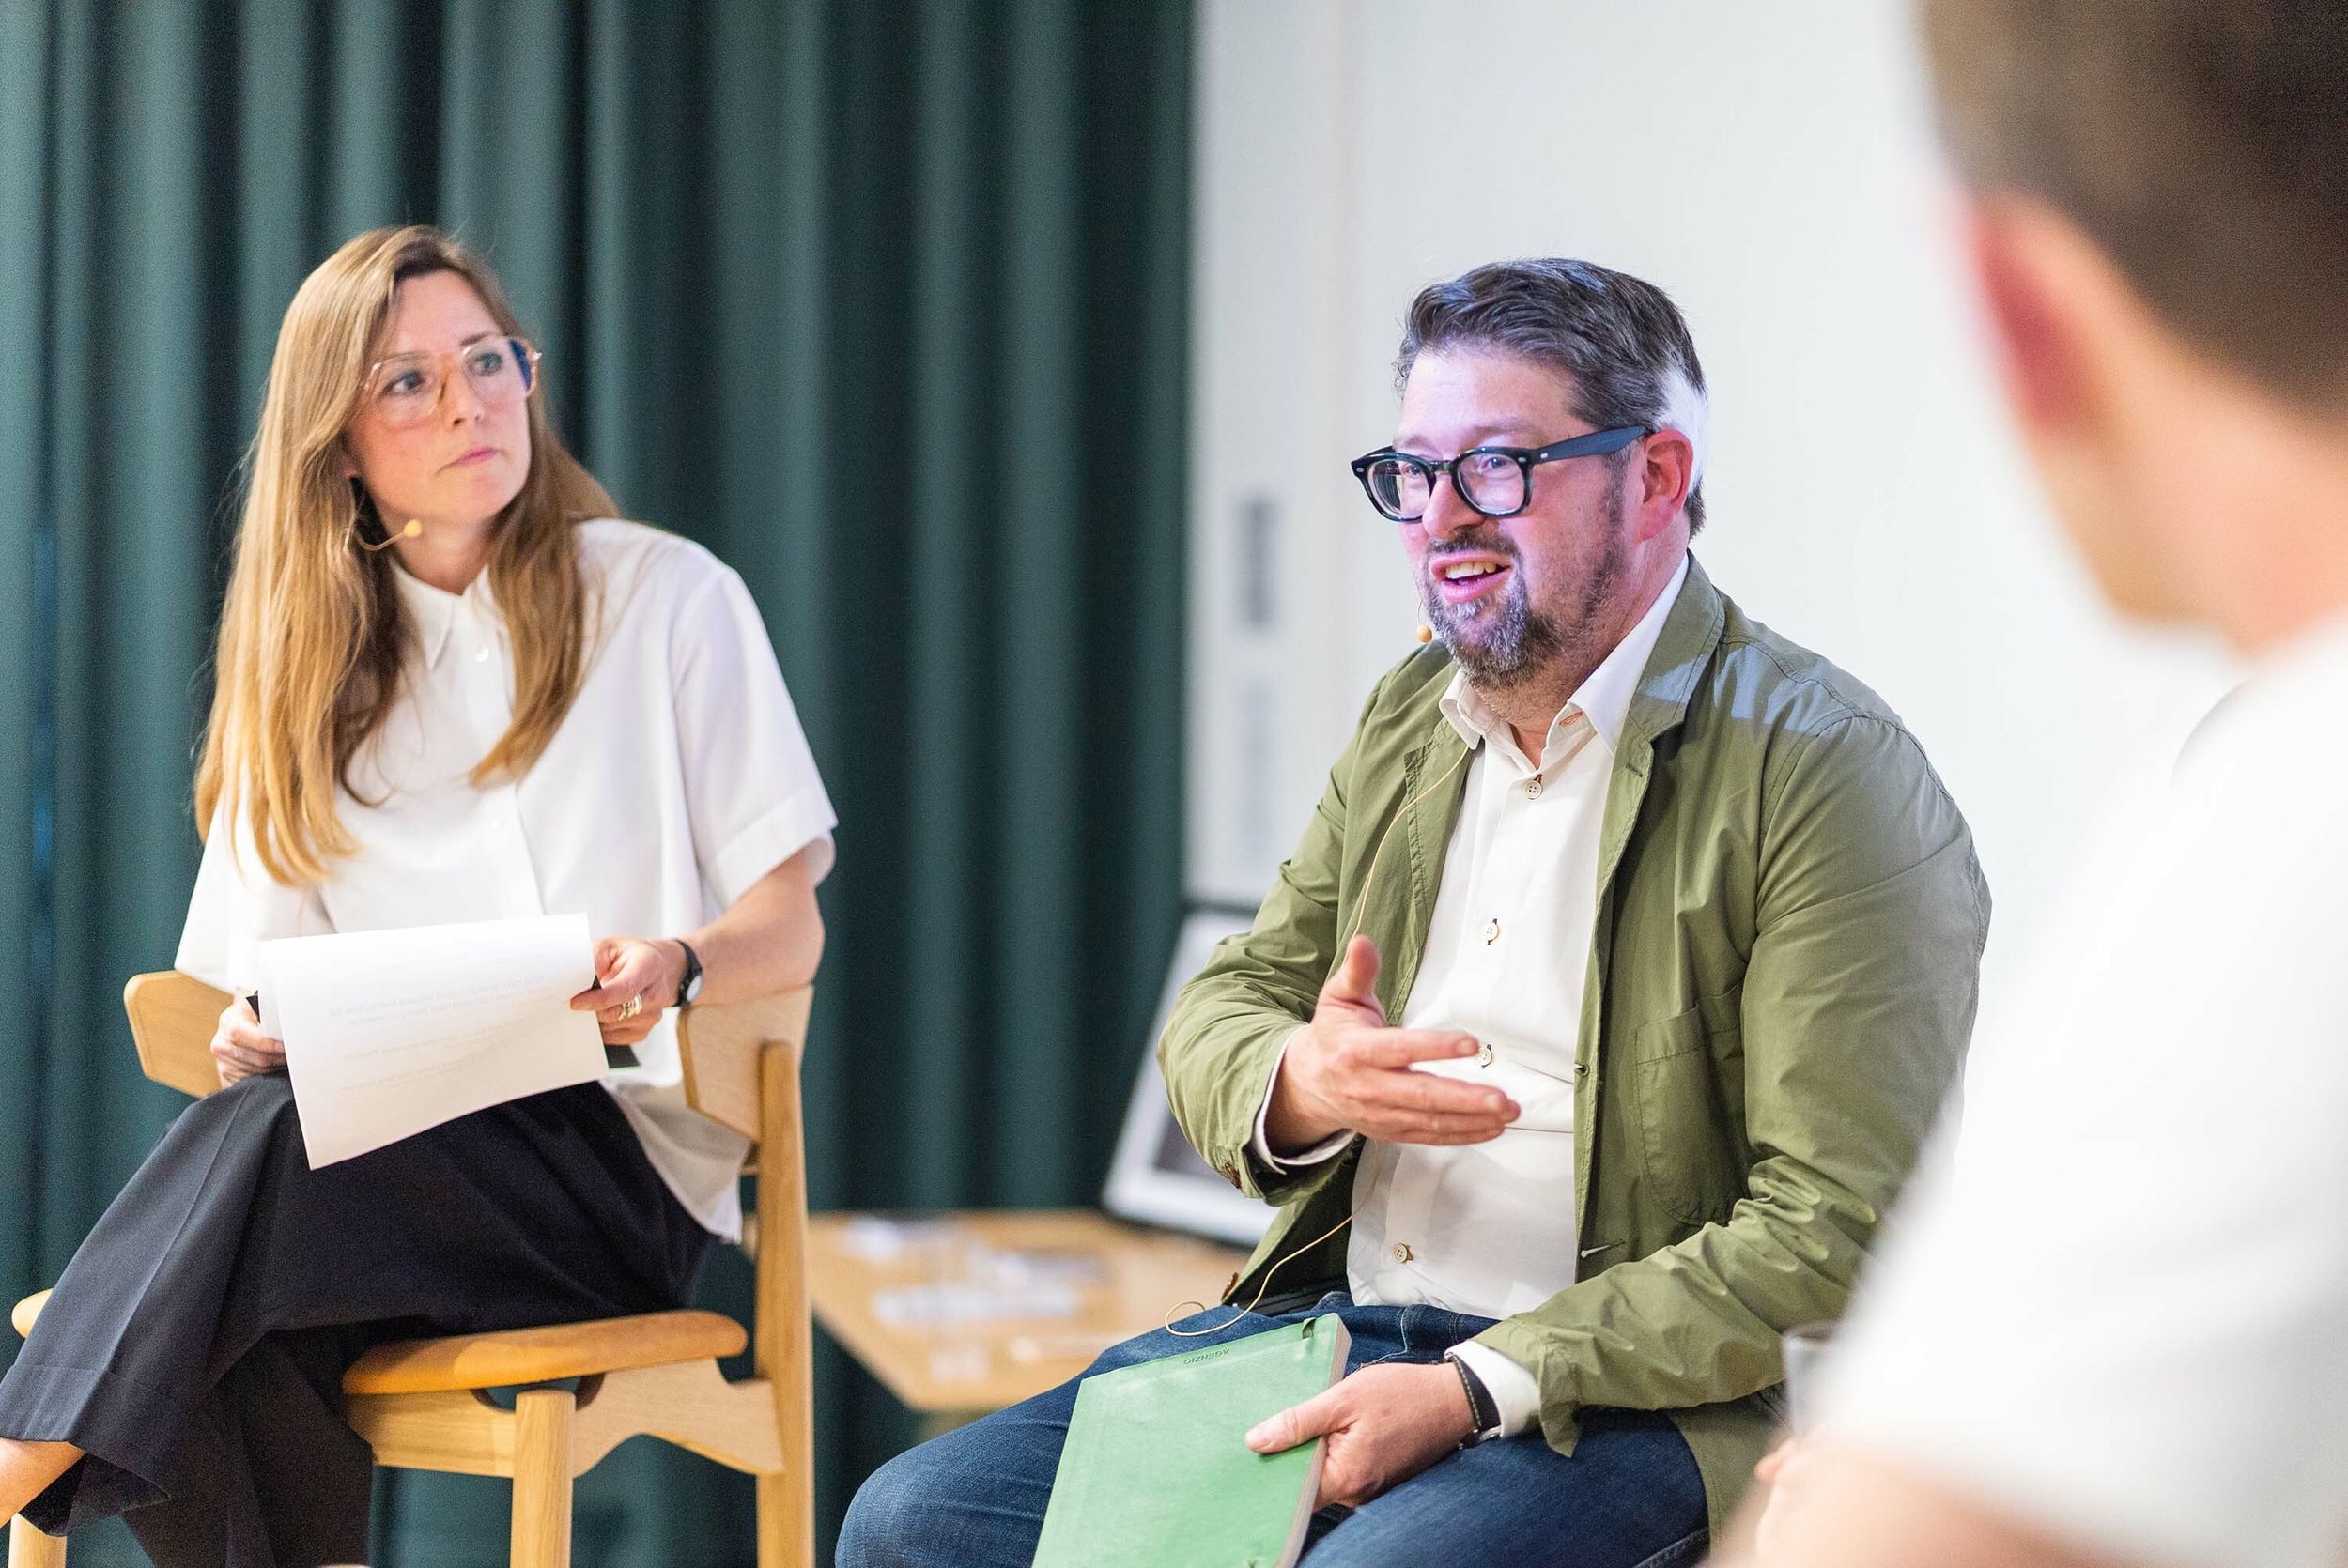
[(1501, 643)]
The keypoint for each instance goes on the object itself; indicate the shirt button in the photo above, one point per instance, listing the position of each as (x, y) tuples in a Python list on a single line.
[(1492, 931), (1484, 1054), (1532, 789), (1401, 1251), (482, 657)]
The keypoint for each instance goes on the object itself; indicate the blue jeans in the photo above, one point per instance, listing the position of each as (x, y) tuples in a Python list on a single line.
[(1630, 1497)]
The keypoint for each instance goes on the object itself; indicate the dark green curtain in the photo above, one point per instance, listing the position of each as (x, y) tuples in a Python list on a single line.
[(883, 301)]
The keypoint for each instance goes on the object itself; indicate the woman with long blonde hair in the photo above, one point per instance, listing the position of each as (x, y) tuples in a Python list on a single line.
[(451, 685)]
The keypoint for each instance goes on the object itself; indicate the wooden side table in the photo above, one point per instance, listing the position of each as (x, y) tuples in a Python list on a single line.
[(1125, 1280)]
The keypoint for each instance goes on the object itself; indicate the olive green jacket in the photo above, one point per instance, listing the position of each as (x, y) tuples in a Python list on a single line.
[(1782, 976)]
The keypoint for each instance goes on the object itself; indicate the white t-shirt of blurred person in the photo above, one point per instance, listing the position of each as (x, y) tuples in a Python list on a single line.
[(678, 777), (2119, 1308)]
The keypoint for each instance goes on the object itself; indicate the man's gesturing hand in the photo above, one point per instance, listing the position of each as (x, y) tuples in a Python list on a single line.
[(1347, 1072), (1384, 1425)]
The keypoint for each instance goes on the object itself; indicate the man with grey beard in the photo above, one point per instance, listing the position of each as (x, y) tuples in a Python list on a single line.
[(1591, 1025)]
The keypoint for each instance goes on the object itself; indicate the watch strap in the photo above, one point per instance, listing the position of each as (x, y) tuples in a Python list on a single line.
[(1483, 1409), (689, 984)]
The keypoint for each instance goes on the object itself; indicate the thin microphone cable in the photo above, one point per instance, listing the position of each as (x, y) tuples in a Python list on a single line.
[(1361, 912)]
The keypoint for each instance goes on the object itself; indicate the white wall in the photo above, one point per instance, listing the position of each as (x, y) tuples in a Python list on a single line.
[(1772, 167)]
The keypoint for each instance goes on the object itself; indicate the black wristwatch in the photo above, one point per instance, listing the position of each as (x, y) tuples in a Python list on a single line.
[(689, 986), (1483, 1409)]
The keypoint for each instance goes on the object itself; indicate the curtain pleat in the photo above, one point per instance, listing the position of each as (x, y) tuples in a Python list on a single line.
[(883, 301), (27, 40)]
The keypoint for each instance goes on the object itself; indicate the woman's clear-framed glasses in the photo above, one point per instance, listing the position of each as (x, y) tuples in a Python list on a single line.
[(1496, 481), (405, 388)]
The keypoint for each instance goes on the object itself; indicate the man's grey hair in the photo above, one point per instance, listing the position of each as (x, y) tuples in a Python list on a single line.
[(1619, 340)]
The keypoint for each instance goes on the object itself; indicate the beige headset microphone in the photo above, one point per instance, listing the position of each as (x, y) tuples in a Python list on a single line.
[(413, 530), (359, 507)]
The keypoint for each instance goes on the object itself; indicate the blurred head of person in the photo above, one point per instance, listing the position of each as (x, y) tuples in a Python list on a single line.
[(2157, 214), (403, 391), (1529, 571)]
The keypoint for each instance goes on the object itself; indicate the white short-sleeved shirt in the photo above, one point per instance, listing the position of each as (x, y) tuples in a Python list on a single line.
[(2118, 1305), (679, 776)]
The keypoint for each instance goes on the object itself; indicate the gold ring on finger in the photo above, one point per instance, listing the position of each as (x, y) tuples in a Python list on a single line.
[(630, 1008)]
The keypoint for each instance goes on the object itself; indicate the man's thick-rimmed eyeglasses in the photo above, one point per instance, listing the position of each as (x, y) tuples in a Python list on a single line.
[(1496, 481), (405, 388)]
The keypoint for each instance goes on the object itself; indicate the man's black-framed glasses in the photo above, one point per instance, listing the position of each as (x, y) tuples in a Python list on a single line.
[(1496, 481)]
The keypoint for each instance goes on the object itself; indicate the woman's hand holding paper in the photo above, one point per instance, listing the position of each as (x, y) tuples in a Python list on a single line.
[(631, 969), (240, 1049)]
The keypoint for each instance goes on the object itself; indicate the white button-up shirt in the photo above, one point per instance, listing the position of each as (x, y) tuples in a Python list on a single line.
[(679, 776), (1490, 1229)]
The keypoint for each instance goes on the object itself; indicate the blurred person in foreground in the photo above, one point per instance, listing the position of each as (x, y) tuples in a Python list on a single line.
[(1592, 1024), (2112, 1329), (451, 686)]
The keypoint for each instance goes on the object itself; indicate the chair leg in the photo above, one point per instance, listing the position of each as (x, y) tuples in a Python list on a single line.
[(542, 1478), (29, 1549), (786, 1519)]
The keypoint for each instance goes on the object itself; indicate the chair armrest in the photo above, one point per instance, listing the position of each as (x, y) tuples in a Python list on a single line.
[(172, 1019)]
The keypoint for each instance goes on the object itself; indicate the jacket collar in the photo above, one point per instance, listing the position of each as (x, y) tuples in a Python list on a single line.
[(1436, 783), (1691, 631)]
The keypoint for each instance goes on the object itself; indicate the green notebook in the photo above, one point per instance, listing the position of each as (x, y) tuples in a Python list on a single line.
[(1157, 1473)]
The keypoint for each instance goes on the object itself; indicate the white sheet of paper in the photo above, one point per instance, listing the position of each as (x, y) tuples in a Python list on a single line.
[(389, 1033)]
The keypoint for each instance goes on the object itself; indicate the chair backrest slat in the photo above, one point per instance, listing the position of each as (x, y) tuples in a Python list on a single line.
[(172, 1019), (721, 1047), (173, 1016)]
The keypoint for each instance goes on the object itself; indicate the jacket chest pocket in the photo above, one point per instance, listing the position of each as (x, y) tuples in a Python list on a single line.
[(1688, 1133)]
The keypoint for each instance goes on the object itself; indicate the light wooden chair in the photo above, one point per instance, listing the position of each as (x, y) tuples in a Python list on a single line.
[(423, 1404)]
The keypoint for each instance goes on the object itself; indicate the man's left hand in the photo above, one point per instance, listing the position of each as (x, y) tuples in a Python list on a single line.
[(631, 967), (1384, 1425)]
